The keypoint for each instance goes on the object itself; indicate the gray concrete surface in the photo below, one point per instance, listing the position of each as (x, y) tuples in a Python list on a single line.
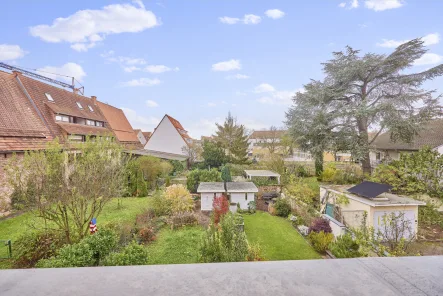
[(363, 276)]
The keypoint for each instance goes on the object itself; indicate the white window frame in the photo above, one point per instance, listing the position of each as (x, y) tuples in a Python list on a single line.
[(79, 105), (49, 97), (90, 122), (90, 108)]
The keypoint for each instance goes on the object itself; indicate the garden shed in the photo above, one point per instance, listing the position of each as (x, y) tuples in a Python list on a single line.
[(262, 174), (350, 209), (237, 192)]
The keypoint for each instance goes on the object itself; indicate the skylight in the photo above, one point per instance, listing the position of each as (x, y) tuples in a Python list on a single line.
[(79, 105), (48, 96), (90, 108)]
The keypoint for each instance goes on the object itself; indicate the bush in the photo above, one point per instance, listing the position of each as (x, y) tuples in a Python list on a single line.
[(328, 173), (183, 219), (345, 247), (34, 246), (196, 176), (350, 174), (90, 251), (179, 199), (300, 191), (319, 225), (428, 215), (300, 171), (146, 234), (220, 206), (282, 207), (177, 167), (226, 242), (133, 254), (320, 240), (160, 205)]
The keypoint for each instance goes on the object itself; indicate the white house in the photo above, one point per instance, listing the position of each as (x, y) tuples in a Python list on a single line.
[(238, 193), (383, 148), (169, 137)]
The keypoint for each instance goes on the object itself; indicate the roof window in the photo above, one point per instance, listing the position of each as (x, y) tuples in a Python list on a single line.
[(79, 105), (90, 108), (49, 97)]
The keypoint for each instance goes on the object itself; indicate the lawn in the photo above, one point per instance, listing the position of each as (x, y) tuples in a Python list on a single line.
[(176, 246), (129, 208), (277, 238)]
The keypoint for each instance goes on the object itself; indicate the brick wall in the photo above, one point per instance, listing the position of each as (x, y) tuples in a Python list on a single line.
[(5, 189)]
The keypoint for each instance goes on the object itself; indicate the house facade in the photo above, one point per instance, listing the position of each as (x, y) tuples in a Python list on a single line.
[(169, 137), (143, 137), (238, 193), (385, 149)]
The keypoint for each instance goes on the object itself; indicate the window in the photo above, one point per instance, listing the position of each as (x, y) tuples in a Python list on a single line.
[(49, 97), (63, 118), (79, 105), (90, 122), (99, 123), (90, 108)]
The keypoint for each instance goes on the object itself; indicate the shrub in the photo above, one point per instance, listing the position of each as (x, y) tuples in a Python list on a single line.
[(300, 191), (226, 174), (328, 173), (182, 219), (145, 217), (282, 207), (220, 206), (226, 242), (177, 167), (34, 246), (319, 225), (428, 215), (350, 174), (90, 251), (252, 206), (300, 171), (196, 176), (133, 254), (179, 199), (345, 247), (160, 205), (320, 240), (263, 181), (146, 234)]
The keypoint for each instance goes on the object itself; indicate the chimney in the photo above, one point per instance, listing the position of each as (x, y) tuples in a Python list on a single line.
[(94, 100), (16, 73)]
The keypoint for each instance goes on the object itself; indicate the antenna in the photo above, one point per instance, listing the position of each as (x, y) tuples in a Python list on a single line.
[(41, 77)]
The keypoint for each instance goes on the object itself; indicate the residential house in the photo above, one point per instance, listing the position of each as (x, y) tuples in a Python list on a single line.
[(383, 148), (241, 193), (121, 128), (143, 137), (169, 138), (359, 209)]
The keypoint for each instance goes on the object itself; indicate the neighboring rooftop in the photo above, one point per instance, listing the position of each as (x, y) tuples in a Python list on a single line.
[(159, 154), (147, 135), (261, 173), (431, 135), (384, 199), (231, 187), (406, 276), (267, 134)]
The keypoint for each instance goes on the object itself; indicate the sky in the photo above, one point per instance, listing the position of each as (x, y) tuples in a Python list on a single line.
[(197, 60)]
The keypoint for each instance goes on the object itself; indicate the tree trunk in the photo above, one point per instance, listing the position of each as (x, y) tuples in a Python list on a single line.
[(318, 164), (364, 143)]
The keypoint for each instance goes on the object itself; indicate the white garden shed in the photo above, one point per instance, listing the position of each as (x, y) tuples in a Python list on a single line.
[(238, 193)]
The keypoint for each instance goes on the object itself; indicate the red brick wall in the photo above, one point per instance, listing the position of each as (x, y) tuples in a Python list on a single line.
[(5, 189)]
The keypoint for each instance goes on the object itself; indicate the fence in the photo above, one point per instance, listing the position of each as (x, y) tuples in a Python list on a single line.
[(5, 249)]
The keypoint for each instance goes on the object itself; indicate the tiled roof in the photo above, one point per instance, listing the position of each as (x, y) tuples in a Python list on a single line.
[(175, 122), (80, 129), (147, 135), (119, 123), (266, 134), (20, 126), (180, 129), (430, 135), (64, 102)]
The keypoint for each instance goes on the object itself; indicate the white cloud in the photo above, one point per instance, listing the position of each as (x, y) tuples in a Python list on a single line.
[(264, 88), (141, 82), (90, 26), (354, 4), (11, 52), (283, 97), (237, 76), (229, 20), (428, 59), (380, 5), (227, 65), (131, 69), (251, 19), (140, 122), (157, 69), (68, 69), (342, 5), (82, 47), (151, 104), (274, 13), (429, 39)]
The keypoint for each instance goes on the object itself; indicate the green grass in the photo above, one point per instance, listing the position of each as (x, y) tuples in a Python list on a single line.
[(176, 246), (129, 208), (277, 238)]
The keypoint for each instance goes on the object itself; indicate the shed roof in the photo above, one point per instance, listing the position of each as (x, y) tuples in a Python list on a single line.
[(383, 200), (261, 173), (159, 154), (231, 187)]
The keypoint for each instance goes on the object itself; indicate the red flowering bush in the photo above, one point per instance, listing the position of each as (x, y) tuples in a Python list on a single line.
[(319, 225), (220, 206)]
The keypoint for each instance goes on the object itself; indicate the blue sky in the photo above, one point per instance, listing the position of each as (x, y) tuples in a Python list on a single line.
[(196, 60)]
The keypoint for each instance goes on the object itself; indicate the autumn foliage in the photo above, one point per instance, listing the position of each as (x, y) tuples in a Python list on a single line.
[(220, 206)]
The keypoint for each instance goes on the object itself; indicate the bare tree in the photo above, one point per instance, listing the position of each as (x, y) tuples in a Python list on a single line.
[(193, 152), (396, 232), (270, 139)]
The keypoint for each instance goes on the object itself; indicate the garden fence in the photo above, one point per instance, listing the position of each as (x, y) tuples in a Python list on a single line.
[(5, 249)]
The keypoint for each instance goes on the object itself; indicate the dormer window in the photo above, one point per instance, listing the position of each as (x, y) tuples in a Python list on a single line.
[(90, 108), (79, 105), (49, 97)]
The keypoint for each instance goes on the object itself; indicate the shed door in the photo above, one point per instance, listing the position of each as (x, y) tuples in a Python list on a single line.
[(379, 224)]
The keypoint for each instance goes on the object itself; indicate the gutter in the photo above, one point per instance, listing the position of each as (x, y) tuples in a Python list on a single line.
[(34, 105)]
